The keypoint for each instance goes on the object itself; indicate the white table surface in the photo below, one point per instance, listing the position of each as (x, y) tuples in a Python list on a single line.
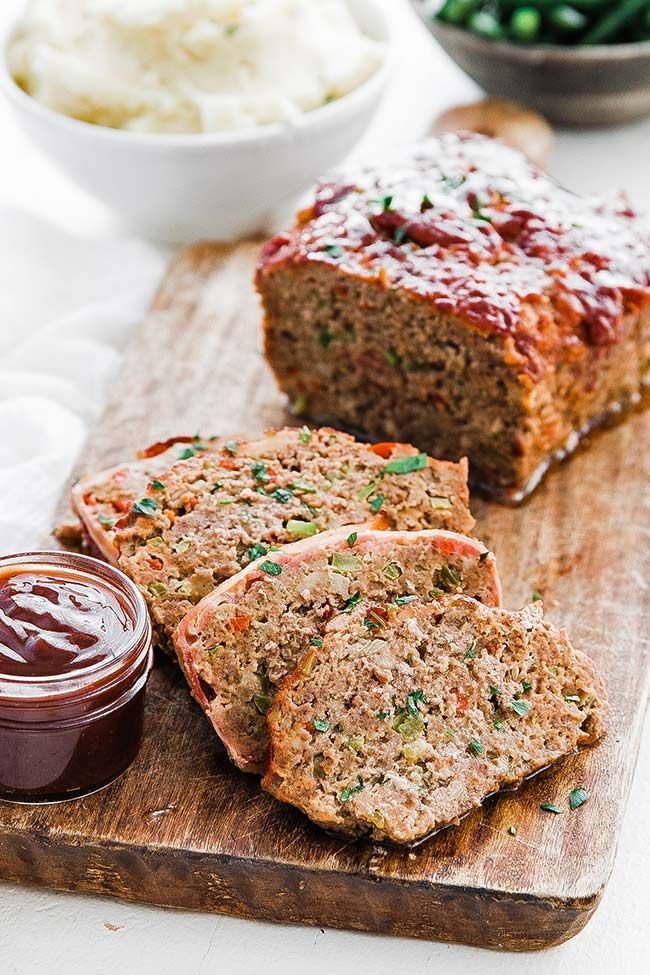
[(61, 934)]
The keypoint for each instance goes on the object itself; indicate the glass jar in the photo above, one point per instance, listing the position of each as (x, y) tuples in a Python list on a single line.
[(69, 723)]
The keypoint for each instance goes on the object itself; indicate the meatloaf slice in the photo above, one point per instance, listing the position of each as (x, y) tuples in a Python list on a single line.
[(211, 514), (239, 643), (458, 298), (408, 717), (101, 500)]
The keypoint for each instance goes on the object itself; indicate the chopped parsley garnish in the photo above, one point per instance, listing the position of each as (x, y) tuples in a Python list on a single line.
[(158, 485), (334, 250), (316, 641), (382, 715), (400, 234), (231, 447), (470, 653), (351, 789), (105, 520), (260, 472), (373, 621), (271, 568), (392, 358), (256, 551), (145, 506), (477, 211), (376, 503), (577, 797), (550, 807), (435, 593), (494, 691), (387, 202), (449, 577), (353, 601), (498, 725), (482, 557), (325, 337), (406, 465), (305, 435), (404, 600), (320, 724), (352, 537), (537, 596), (520, 707), (426, 203), (303, 529), (512, 830), (187, 453), (282, 495), (411, 702), (476, 747), (526, 685)]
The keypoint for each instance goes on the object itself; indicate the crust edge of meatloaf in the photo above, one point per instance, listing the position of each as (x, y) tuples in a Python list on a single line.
[(591, 730), (228, 591)]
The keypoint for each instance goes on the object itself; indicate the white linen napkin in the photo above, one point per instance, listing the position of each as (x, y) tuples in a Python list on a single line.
[(67, 307)]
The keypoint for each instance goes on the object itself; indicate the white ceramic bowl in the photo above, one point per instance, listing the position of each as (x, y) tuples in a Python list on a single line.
[(221, 185)]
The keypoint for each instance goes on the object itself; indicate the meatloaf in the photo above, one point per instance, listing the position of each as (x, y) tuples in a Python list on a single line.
[(223, 504), (458, 298), (239, 643), (101, 500), (405, 718)]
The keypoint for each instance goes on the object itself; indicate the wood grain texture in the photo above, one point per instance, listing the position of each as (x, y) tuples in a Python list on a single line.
[(183, 828)]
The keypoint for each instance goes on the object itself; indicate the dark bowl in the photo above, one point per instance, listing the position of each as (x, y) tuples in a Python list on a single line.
[(601, 85)]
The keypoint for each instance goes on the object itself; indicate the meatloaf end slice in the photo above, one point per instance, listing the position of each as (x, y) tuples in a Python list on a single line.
[(219, 509), (100, 500), (405, 719), (458, 298), (240, 642)]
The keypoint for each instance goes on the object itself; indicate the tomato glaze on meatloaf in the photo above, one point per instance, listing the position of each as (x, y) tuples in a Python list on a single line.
[(240, 642), (455, 296), (222, 504), (406, 718)]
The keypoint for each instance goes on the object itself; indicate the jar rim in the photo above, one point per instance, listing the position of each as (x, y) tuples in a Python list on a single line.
[(54, 686)]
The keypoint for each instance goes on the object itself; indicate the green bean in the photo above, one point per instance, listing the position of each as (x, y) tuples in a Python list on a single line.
[(606, 28), (525, 24), (486, 25), (457, 11), (567, 19), (547, 5)]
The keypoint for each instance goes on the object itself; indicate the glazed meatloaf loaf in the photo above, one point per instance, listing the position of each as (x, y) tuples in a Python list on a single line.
[(408, 717), (222, 504), (239, 643), (458, 298)]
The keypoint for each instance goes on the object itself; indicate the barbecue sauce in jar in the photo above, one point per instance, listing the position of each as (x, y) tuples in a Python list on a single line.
[(75, 655)]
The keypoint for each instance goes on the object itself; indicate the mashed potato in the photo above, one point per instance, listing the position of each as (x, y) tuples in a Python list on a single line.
[(189, 65)]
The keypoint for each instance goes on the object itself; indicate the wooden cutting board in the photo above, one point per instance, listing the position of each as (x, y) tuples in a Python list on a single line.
[(183, 828)]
